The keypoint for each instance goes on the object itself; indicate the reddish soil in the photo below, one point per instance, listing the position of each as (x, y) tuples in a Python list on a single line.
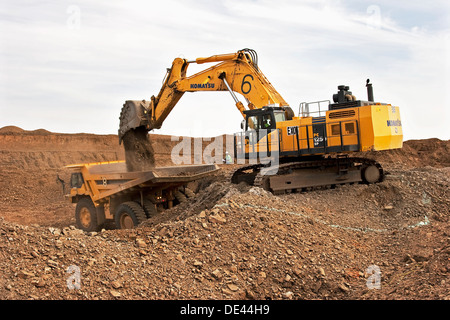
[(229, 241)]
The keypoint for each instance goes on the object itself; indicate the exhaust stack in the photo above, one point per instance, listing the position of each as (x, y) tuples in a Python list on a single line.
[(369, 91)]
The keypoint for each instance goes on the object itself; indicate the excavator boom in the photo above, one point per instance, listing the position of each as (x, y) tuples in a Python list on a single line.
[(235, 72)]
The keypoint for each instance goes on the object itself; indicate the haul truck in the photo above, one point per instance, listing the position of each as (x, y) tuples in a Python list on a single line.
[(106, 191)]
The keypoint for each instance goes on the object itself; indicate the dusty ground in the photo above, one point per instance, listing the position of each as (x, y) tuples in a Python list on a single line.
[(230, 241)]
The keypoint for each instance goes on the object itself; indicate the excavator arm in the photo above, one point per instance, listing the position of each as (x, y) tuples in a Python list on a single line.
[(235, 72)]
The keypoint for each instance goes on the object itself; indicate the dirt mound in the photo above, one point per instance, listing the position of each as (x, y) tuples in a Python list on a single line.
[(416, 153), (17, 130), (209, 191), (431, 152), (40, 132), (11, 129)]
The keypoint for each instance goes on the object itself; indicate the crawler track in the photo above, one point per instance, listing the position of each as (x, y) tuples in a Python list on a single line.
[(302, 175)]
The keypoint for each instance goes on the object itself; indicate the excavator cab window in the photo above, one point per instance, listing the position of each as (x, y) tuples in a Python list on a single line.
[(279, 116), (252, 123)]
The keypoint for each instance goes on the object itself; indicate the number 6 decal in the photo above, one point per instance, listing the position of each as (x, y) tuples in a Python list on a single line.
[(247, 83)]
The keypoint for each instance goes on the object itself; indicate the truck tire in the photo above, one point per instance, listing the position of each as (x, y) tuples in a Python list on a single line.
[(180, 196), (289, 113), (149, 208), (129, 215), (189, 193), (86, 215)]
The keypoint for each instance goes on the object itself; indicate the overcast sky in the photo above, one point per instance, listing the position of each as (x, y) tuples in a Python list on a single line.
[(68, 66)]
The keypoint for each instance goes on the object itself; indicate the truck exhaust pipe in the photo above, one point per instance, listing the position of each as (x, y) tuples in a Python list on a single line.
[(369, 91)]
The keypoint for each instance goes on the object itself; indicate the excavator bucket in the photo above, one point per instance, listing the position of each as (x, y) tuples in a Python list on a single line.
[(134, 114)]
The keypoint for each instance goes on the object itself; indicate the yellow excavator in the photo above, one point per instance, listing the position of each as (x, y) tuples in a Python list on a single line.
[(283, 152)]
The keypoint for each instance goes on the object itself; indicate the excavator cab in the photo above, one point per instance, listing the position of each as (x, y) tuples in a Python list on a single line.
[(265, 118), (260, 133)]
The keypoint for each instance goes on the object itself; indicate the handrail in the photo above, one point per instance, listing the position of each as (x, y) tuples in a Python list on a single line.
[(304, 108)]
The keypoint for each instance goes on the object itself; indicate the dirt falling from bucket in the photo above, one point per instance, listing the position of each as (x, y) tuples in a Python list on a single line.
[(139, 154)]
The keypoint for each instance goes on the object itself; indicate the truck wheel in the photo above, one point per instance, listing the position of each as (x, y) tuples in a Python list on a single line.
[(150, 208), (129, 215), (189, 193), (289, 113), (180, 196), (86, 215)]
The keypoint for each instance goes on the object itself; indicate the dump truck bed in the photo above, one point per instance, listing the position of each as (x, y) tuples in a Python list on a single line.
[(106, 179)]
